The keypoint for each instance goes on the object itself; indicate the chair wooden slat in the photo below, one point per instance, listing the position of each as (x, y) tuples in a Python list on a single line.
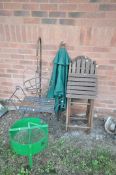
[(83, 66), (87, 71), (74, 67), (83, 88), (83, 79), (78, 61), (73, 91), (82, 75), (86, 84), (80, 96)]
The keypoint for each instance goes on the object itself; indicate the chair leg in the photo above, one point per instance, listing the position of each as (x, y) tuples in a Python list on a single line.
[(58, 115), (68, 113), (90, 113)]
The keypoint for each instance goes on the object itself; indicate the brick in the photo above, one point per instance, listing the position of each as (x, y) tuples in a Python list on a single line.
[(31, 6), (29, 20), (21, 13), (20, 0), (88, 7), (29, 57), (111, 15), (76, 14), (107, 101), (49, 21), (7, 32), (57, 1), (5, 13), (113, 1), (106, 67), (113, 61), (13, 20), (93, 0), (24, 34), (78, 1), (68, 7), (94, 15), (87, 15), (3, 19), (39, 14), (17, 76), (68, 1), (5, 0), (12, 71), (105, 23), (26, 62), (15, 6), (7, 83), (25, 51), (57, 14), (113, 39), (5, 75), (2, 71), (49, 47), (100, 49), (29, 33), (85, 35), (1, 5), (35, 32), (18, 33), (108, 7), (13, 33), (40, 1), (2, 33), (66, 21), (50, 7), (18, 66)]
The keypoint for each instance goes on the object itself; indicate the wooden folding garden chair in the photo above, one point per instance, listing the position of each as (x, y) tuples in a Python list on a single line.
[(81, 90)]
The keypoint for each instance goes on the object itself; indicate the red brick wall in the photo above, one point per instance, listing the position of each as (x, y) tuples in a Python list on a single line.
[(87, 26)]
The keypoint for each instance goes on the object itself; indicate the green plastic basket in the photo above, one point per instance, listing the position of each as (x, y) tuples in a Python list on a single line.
[(28, 136)]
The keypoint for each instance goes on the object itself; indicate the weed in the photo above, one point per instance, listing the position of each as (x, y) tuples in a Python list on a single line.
[(63, 157), (23, 172)]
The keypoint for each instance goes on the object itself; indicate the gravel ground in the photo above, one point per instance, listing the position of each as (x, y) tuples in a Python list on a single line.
[(57, 130), (11, 164)]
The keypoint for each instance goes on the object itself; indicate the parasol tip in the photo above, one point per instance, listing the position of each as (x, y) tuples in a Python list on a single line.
[(62, 44)]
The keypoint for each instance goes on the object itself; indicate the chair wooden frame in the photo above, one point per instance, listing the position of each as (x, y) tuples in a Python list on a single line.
[(81, 86)]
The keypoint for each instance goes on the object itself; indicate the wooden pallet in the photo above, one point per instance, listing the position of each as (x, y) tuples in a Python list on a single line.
[(82, 84)]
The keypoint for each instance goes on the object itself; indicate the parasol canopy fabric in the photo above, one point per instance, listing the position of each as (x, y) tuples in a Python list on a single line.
[(59, 77)]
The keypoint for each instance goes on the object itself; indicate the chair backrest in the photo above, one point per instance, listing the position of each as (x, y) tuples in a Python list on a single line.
[(82, 80)]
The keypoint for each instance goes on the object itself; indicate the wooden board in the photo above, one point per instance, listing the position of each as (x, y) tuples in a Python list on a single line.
[(76, 92), (83, 88), (86, 84), (81, 79), (79, 96), (82, 75)]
